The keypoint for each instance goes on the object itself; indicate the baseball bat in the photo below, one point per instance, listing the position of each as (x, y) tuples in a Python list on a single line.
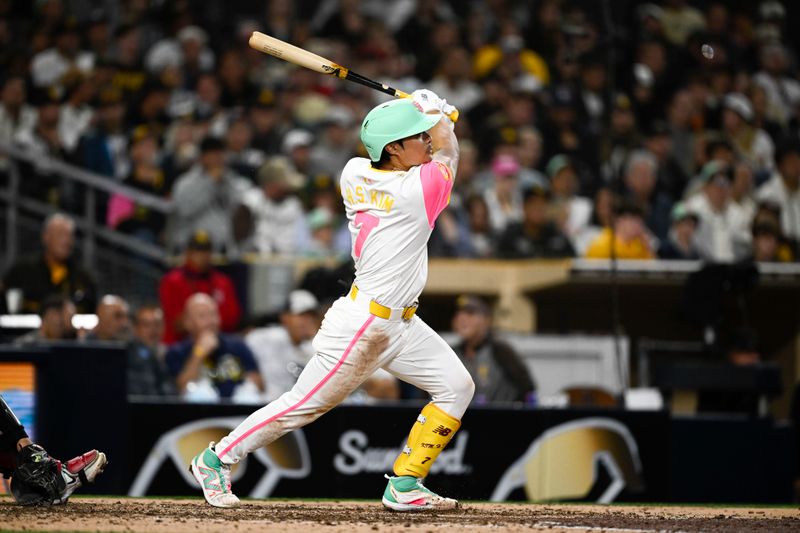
[(293, 54)]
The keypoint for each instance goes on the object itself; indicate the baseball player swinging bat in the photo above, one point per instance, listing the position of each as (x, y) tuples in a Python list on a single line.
[(293, 54)]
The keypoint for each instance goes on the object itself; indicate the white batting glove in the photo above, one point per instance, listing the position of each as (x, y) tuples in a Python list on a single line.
[(427, 100)]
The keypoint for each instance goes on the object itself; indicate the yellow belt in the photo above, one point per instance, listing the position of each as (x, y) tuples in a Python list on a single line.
[(381, 311)]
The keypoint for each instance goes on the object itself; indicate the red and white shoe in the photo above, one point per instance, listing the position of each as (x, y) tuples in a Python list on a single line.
[(80, 471)]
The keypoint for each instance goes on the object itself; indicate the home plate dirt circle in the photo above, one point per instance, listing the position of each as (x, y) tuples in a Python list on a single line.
[(194, 516)]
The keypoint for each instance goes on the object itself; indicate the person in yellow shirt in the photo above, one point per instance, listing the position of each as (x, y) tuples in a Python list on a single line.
[(631, 239)]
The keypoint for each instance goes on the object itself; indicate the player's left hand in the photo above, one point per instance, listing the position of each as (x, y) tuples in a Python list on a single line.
[(429, 101)]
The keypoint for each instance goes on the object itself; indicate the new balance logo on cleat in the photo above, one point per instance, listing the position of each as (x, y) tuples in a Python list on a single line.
[(443, 431), (214, 478)]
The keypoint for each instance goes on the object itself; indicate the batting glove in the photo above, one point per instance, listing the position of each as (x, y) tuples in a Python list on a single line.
[(427, 100)]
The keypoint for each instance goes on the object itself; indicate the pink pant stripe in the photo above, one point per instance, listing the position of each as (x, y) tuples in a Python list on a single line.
[(308, 396)]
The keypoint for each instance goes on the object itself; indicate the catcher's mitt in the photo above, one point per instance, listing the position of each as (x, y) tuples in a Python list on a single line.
[(37, 479)]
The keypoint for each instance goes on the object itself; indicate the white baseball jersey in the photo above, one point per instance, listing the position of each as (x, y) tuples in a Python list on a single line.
[(391, 215)]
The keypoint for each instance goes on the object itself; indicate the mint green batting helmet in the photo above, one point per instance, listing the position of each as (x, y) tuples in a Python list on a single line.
[(392, 121)]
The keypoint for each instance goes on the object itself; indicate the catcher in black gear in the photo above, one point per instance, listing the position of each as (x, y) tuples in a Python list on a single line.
[(37, 478)]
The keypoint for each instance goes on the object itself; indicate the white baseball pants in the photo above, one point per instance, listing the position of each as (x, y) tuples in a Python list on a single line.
[(350, 346)]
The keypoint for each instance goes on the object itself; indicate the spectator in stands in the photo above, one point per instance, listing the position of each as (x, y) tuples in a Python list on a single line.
[(451, 236), (56, 315), (197, 275), (49, 66), (337, 143), (571, 212), (768, 243), (602, 217), (53, 271), (44, 141), (129, 75), (670, 176), (496, 368), (529, 154), (510, 61), (237, 88), (16, 115), (104, 147), (205, 198), (113, 320), (481, 235), (630, 236), (146, 175), (783, 91), (504, 196), (751, 144), (296, 146), (208, 110), (322, 226), (680, 243), (453, 80), (536, 235), (722, 233), (564, 135), (276, 210), (282, 350), (618, 140), (76, 114), (240, 156), (209, 364), (783, 190), (188, 50), (147, 372), (640, 188)]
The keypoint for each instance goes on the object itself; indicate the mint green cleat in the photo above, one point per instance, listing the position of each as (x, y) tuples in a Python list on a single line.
[(214, 477), (407, 493)]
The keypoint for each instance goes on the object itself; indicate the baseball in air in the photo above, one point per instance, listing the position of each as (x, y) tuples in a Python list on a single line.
[(708, 51)]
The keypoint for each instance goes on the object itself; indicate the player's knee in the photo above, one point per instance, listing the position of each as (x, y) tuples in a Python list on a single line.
[(463, 386)]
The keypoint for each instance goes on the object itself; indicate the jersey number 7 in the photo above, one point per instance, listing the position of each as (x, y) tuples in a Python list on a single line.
[(365, 224)]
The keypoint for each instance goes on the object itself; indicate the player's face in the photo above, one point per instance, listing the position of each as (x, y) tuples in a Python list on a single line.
[(415, 150)]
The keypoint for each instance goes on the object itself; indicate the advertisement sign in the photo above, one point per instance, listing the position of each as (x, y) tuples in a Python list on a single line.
[(520, 454)]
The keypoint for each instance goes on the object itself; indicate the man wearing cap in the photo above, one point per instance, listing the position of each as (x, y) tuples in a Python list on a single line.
[(283, 350), (751, 143), (392, 201), (206, 197), (197, 275), (722, 234), (277, 212), (496, 368), (680, 243)]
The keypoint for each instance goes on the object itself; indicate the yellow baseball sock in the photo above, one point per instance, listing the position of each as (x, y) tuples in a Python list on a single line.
[(430, 434)]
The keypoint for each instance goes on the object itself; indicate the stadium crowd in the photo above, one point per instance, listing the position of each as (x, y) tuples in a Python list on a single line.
[(676, 139)]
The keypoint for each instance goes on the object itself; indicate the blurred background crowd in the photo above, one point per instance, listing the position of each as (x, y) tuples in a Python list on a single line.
[(626, 129), (669, 127)]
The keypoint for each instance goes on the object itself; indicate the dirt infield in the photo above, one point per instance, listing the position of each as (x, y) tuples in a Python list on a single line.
[(184, 516)]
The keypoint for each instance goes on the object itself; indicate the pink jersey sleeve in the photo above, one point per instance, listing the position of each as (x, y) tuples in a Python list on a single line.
[(437, 182)]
